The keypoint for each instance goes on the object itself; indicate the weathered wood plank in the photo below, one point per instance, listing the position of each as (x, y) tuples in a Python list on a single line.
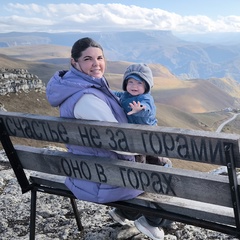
[(185, 207), (187, 184), (192, 145), (201, 210)]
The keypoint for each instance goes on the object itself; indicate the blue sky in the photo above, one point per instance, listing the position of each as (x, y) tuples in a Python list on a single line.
[(183, 16)]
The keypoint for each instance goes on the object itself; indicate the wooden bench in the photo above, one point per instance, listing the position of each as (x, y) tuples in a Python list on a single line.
[(197, 198)]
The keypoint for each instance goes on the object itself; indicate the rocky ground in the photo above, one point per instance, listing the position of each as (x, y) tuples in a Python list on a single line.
[(55, 219)]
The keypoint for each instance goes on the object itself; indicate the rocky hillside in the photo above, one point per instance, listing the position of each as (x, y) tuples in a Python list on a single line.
[(16, 80), (179, 103), (34, 101)]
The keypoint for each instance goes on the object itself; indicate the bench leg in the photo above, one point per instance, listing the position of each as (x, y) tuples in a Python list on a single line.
[(33, 214), (76, 214)]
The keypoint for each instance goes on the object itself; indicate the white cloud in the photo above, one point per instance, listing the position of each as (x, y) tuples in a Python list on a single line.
[(106, 17), (28, 9)]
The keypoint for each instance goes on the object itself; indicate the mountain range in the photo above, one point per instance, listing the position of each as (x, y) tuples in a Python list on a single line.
[(201, 104), (193, 104), (185, 59)]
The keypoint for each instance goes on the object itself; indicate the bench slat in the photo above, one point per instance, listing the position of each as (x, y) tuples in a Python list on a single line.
[(187, 184), (189, 208), (192, 145)]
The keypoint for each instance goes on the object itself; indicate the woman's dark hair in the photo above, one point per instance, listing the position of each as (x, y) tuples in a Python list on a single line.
[(81, 45)]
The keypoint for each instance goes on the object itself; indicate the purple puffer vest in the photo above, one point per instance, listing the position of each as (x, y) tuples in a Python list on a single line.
[(64, 90)]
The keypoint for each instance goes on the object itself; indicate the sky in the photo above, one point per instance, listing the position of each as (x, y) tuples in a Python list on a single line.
[(181, 16)]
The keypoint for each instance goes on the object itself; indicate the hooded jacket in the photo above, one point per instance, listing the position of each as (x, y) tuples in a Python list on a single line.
[(140, 72), (147, 116), (64, 90)]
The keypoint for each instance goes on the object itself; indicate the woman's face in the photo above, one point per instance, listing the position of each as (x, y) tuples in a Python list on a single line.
[(91, 62)]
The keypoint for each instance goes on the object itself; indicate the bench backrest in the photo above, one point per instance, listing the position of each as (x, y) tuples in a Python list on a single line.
[(199, 146)]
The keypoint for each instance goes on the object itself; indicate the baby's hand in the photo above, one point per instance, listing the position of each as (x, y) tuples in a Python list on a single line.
[(136, 107)]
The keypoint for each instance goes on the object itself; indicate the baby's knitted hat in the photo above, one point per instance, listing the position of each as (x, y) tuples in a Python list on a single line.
[(139, 71)]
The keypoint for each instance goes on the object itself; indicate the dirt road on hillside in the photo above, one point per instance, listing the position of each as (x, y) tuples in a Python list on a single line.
[(219, 129)]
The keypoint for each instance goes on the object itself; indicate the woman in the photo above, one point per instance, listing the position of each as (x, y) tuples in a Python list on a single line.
[(83, 93)]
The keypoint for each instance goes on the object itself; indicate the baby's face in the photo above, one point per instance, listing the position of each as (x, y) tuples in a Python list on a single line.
[(135, 87)]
